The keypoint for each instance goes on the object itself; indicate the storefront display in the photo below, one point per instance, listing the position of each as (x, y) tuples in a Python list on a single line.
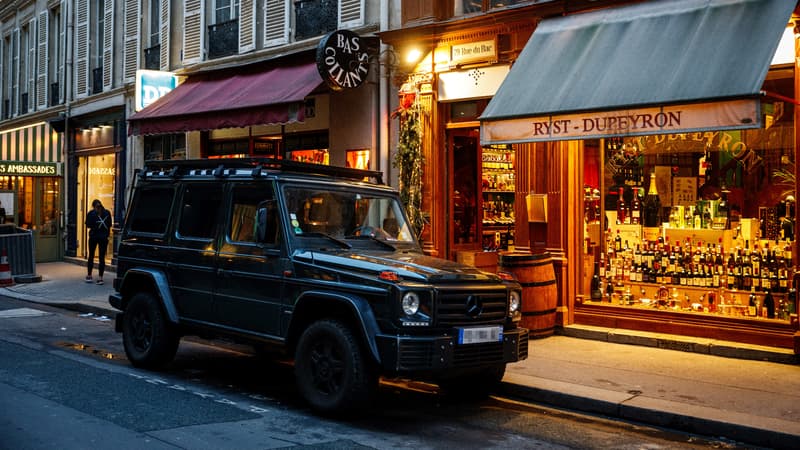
[(713, 234), (497, 195)]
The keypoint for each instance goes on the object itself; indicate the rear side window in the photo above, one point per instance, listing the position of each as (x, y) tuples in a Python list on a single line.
[(199, 210), (151, 211)]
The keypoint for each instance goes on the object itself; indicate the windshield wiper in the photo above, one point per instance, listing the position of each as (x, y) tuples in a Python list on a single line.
[(373, 238), (340, 242)]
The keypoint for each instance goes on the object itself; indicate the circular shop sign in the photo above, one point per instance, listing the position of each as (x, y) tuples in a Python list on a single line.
[(342, 60)]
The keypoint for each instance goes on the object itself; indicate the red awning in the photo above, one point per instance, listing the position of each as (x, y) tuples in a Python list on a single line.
[(228, 100)]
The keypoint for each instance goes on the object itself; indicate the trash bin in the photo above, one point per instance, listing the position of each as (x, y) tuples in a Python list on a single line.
[(539, 290)]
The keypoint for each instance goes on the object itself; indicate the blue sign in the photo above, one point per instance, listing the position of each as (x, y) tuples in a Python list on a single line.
[(152, 85)]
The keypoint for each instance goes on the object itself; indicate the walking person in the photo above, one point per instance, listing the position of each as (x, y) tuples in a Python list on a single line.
[(99, 222)]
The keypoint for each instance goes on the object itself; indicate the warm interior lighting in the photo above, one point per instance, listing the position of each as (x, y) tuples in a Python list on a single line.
[(785, 52), (413, 55)]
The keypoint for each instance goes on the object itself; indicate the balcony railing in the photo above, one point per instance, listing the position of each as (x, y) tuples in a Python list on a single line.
[(152, 57), (55, 94), (223, 39), (97, 80), (315, 17), (23, 103), (6, 109)]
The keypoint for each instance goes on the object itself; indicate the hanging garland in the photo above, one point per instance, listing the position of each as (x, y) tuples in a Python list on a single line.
[(408, 159)]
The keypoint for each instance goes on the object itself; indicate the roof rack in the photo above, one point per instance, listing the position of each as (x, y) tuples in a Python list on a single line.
[(178, 168)]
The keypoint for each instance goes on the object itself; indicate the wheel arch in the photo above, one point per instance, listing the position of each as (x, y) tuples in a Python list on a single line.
[(152, 281), (353, 310)]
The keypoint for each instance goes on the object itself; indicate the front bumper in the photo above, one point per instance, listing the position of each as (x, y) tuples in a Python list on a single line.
[(431, 354)]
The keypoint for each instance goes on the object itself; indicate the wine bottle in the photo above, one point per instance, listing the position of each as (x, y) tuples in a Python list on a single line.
[(652, 204), (769, 305), (622, 208), (636, 208), (596, 293), (751, 305)]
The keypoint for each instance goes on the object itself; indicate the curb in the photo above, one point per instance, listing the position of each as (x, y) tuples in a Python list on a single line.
[(694, 419), (689, 344)]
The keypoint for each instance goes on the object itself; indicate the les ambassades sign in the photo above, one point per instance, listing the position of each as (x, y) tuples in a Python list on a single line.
[(29, 169), (732, 114)]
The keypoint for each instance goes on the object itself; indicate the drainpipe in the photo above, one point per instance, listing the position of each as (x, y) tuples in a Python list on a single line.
[(70, 213), (384, 91)]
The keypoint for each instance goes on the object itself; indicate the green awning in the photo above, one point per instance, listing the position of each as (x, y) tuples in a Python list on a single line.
[(646, 68)]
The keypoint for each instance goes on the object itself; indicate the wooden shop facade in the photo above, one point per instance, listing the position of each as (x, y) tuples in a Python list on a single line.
[(649, 148)]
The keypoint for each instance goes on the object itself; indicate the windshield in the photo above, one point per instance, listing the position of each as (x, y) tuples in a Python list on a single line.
[(347, 215)]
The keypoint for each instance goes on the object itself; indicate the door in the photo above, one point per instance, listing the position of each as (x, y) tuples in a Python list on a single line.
[(47, 220), (249, 279), (192, 266), (464, 226)]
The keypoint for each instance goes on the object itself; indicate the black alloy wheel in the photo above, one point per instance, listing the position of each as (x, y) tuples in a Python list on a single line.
[(333, 373), (149, 340)]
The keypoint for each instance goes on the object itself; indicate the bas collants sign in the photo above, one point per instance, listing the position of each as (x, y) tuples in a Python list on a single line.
[(342, 60)]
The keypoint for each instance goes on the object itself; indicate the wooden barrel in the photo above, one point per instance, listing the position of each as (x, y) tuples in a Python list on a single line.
[(539, 290)]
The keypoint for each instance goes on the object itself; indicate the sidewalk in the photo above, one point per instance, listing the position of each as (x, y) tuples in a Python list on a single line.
[(751, 401)]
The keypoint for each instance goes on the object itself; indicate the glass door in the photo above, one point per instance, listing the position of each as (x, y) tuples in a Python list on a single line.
[(47, 219)]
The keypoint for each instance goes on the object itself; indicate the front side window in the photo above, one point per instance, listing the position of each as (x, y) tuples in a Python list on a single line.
[(347, 215), (253, 216), (199, 211)]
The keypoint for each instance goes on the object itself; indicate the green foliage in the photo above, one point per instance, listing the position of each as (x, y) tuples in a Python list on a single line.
[(409, 161)]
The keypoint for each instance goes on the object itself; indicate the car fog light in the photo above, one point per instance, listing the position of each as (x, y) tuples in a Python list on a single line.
[(514, 302), (410, 303)]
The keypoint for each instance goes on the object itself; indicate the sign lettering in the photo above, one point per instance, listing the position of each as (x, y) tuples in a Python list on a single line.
[(29, 169), (342, 60), (152, 85), (732, 114)]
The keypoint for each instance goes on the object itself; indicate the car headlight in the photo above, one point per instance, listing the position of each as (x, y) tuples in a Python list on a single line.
[(514, 301), (410, 303)]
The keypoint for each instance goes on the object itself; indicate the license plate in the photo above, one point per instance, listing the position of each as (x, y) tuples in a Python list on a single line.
[(480, 335)]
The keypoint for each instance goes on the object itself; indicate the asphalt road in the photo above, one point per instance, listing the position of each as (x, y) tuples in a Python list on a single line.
[(65, 384)]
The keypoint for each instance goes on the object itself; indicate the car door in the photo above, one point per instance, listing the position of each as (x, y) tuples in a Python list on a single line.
[(249, 282), (191, 267)]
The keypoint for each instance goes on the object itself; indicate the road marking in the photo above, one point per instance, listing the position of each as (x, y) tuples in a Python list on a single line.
[(22, 312)]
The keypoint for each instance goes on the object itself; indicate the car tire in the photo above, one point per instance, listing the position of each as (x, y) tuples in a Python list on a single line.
[(474, 385), (150, 341), (332, 370)]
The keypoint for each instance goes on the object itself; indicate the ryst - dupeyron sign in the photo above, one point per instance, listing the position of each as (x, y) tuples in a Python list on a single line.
[(342, 60)]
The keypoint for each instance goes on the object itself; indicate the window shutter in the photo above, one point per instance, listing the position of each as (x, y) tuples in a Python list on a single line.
[(193, 31), (16, 75), (131, 33), (81, 48), (62, 40), (351, 13), (276, 22), (41, 76), (164, 35), (108, 45), (247, 26), (30, 64)]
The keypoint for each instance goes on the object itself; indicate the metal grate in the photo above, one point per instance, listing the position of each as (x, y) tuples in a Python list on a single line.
[(452, 308), (415, 355), (478, 354)]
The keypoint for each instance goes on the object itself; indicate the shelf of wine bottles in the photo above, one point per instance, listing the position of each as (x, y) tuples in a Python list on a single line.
[(698, 277)]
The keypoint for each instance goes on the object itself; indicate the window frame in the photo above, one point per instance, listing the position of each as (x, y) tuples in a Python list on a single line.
[(138, 203)]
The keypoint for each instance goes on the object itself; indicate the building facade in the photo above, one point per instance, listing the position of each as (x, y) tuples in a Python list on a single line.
[(543, 124), (69, 87), (32, 67)]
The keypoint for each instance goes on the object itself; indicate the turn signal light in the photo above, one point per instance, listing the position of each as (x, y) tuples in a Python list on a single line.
[(389, 276), (506, 276)]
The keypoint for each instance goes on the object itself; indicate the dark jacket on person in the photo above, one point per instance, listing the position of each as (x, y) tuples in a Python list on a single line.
[(99, 225)]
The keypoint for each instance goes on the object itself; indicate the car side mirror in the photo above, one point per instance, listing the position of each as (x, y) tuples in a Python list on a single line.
[(266, 222)]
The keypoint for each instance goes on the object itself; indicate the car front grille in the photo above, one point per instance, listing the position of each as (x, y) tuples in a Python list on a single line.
[(478, 354), (455, 307)]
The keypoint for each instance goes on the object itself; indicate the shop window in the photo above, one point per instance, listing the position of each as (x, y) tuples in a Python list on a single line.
[(228, 149), (166, 146), (199, 208), (466, 111), (155, 205), (696, 223)]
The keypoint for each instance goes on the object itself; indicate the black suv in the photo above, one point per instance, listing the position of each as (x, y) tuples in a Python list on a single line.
[(315, 261)]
